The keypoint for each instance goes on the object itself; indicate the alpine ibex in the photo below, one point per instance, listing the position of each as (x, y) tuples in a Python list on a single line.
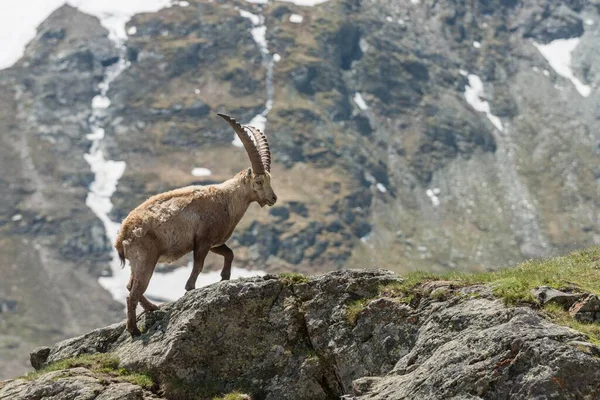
[(194, 218)]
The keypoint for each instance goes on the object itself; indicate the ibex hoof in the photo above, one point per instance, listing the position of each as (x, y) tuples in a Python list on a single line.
[(189, 286), (134, 332), (225, 278)]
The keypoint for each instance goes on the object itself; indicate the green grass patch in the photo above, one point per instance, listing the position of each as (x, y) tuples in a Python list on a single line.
[(106, 363), (292, 278), (95, 362), (354, 309), (560, 316), (580, 269), (233, 396), (140, 379)]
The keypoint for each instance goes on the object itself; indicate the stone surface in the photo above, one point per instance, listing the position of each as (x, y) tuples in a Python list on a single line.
[(586, 310), (549, 295), (274, 341)]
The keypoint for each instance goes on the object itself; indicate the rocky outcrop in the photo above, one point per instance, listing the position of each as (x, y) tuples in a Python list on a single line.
[(339, 334)]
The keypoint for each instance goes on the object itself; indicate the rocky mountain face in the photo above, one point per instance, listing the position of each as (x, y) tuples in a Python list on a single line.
[(51, 245), (406, 135), (296, 338)]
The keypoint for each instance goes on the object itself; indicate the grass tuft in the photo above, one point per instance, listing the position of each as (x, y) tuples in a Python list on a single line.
[(106, 363), (579, 271), (233, 396), (292, 278), (560, 316), (354, 309)]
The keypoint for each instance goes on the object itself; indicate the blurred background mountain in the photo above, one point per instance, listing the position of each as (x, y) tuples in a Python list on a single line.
[(406, 135)]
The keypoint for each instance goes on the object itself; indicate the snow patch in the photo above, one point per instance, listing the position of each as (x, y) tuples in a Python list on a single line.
[(433, 196), (18, 23), (415, 1), (474, 95), (255, 19), (381, 187), (306, 3), (19, 20), (16, 217), (589, 22), (463, 72), (259, 34), (366, 240), (201, 172), (363, 44), (171, 285), (360, 102), (259, 121), (476, 44), (114, 14), (132, 30), (100, 102), (558, 55), (296, 18)]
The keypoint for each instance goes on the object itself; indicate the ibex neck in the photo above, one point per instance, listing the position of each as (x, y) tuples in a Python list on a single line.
[(241, 193)]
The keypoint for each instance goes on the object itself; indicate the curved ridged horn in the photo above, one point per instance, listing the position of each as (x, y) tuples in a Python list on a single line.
[(263, 146), (252, 149)]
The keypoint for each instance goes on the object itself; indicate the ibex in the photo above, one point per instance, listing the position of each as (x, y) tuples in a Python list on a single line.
[(194, 218)]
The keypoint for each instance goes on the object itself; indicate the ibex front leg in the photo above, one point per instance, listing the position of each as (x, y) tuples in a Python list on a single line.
[(200, 252), (227, 253)]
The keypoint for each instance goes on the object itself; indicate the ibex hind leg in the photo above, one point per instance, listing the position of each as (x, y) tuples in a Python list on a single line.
[(227, 254), (141, 274), (147, 305)]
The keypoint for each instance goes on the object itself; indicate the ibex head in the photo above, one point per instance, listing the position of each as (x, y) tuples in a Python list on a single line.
[(257, 147)]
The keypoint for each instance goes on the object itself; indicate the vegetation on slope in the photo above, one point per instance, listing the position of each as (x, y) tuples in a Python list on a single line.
[(577, 272), (105, 363)]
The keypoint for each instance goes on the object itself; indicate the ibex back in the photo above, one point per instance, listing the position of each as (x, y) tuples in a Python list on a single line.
[(195, 218)]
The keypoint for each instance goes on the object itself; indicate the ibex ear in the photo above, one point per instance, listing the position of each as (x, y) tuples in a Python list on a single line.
[(248, 172)]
